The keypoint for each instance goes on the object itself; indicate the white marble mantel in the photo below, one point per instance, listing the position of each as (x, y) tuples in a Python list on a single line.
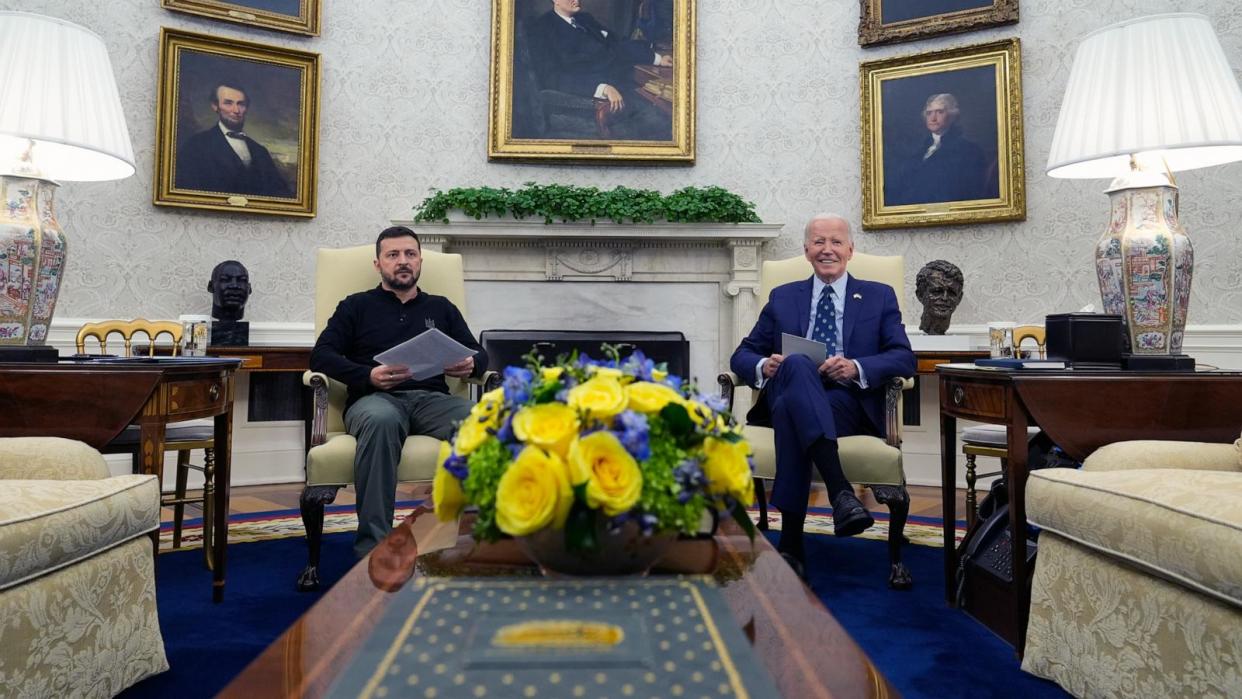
[(680, 258)]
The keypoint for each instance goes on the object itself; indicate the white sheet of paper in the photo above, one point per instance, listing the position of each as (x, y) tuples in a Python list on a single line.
[(792, 344), (426, 354)]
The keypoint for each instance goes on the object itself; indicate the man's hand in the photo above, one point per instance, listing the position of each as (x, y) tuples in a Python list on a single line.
[(773, 363), (461, 369), (839, 368), (615, 102), (386, 377), (666, 61)]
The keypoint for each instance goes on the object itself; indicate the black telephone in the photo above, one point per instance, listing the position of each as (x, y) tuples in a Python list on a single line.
[(989, 548)]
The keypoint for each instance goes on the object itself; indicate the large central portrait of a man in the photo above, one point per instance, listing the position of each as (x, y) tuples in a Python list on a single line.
[(592, 80)]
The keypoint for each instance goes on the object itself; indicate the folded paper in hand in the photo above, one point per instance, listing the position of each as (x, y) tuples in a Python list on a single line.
[(426, 354), (793, 344)]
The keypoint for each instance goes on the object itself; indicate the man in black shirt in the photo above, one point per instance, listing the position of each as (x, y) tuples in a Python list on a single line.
[(386, 404)]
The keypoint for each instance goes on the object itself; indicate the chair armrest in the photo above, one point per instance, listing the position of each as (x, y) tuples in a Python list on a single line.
[(1202, 456), (892, 408), (321, 389), (487, 381), (728, 381), (50, 458)]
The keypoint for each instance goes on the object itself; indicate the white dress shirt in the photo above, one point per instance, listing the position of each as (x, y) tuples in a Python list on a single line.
[(239, 145), (818, 287)]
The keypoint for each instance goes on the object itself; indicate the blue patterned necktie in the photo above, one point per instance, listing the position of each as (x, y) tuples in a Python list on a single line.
[(826, 321)]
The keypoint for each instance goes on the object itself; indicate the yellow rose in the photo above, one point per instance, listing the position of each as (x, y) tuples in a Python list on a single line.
[(471, 435), (600, 397), (606, 371), (534, 493), (489, 406), (647, 397), (549, 425), (611, 474), (727, 470), (551, 373), (658, 375), (447, 497)]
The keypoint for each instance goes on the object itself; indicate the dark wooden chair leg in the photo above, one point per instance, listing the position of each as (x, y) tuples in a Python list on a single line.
[(183, 472), (762, 497), (313, 500), (897, 499), (209, 507)]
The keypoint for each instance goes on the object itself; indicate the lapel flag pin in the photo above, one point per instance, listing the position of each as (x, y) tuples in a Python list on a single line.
[(858, 296)]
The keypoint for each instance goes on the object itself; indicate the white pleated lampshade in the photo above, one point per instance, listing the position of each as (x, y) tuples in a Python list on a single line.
[(58, 90), (1158, 86)]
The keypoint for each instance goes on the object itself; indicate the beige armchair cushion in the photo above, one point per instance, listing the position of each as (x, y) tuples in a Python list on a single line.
[(865, 460), (49, 458), (1144, 454), (1185, 526), (332, 463), (47, 525)]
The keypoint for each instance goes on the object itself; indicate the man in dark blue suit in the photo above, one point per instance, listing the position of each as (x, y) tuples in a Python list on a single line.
[(223, 158), (574, 53), (810, 406)]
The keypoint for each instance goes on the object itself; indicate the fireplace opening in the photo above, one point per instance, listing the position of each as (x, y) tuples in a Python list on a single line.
[(506, 347)]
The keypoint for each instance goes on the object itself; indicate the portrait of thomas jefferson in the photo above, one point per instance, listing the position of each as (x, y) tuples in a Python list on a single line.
[(940, 142)]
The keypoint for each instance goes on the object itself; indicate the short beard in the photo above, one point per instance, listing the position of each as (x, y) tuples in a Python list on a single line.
[(397, 285)]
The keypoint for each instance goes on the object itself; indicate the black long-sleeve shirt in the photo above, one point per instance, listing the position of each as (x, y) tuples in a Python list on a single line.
[(369, 322)]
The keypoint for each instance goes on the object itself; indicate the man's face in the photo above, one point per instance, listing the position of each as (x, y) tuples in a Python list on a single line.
[(941, 295), (937, 118), (231, 286), (567, 7), (400, 263), (829, 248), (231, 105)]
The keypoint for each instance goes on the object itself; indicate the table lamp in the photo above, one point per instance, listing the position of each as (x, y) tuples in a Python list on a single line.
[(1147, 97), (60, 119)]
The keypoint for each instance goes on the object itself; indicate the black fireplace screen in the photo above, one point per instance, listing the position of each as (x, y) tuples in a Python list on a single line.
[(506, 347)]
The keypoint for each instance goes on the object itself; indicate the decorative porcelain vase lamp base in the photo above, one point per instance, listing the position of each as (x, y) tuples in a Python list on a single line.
[(60, 119), (1145, 98), (1144, 262)]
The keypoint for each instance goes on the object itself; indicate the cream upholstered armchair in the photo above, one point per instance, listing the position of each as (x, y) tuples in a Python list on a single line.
[(1137, 590), (870, 461), (77, 572), (340, 272)]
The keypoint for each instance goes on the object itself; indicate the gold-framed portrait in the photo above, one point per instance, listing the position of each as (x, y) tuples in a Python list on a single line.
[(237, 125), (296, 16), (942, 137), (891, 21), (592, 80)]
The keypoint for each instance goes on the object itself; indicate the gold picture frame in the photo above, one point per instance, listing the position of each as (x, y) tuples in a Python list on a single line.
[(543, 108), (892, 21), (205, 157), (942, 138), (295, 16)]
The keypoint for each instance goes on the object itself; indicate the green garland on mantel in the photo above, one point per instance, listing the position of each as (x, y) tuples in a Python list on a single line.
[(570, 203)]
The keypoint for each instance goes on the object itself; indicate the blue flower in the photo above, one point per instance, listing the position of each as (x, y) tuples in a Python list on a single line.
[(505, 433), (517, 385), (689, 475), (638, 366), (456, 465), (633, 434)]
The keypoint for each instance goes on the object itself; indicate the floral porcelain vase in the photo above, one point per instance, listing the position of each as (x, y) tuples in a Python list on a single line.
[(1144, 263), (32, 260)]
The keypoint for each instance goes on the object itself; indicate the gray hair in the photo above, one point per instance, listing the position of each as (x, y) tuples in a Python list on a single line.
[(849, 231), (950, 103)]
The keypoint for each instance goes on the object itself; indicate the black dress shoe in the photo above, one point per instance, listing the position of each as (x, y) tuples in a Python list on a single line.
[(794, 562), (849, 517)]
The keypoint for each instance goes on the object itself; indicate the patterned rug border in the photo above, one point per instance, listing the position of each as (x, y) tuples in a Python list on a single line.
[(282, 524)]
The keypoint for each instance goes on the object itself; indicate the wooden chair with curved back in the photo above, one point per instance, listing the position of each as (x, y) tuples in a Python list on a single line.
[(180, 438), (991, 440), (867, 461)]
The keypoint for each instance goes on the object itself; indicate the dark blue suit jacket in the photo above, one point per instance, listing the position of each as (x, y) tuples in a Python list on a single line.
[(206, 161), (577, 61), (874, 336)]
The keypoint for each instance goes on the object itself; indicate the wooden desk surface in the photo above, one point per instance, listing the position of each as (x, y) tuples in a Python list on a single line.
[(794, 637)]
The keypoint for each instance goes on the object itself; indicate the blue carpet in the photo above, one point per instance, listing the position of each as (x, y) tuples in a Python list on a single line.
[(924, 648)]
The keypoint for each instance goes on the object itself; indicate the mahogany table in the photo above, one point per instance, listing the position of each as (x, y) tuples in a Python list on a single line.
[(803, 648), (94, 401), (1080, 411)]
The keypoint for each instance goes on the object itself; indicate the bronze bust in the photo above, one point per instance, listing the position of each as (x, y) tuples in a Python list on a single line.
[(938, 287), (230, 289)]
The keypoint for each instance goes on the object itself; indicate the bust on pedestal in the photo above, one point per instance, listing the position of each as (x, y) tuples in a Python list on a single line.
[(230, 288), (938, 286)]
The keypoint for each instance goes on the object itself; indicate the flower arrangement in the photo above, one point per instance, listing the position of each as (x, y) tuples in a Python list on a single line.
[(584, 445)]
